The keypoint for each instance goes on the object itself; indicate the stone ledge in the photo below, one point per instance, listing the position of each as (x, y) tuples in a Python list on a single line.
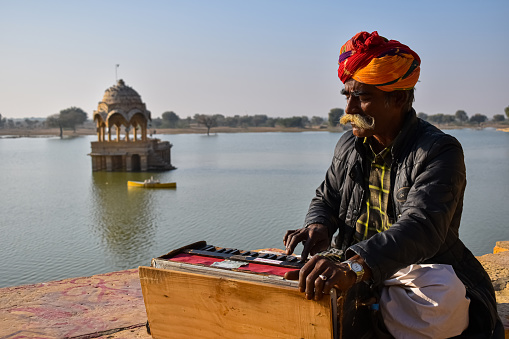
[(501, 246), (497, 266), (86, 307)]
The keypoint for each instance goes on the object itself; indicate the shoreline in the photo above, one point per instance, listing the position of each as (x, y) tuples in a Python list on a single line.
[(55, 132)]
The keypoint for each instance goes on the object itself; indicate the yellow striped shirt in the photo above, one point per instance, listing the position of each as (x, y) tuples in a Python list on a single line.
[(374, 216)]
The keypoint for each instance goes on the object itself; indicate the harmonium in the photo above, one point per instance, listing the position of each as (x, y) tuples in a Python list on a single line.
[(205, 291)]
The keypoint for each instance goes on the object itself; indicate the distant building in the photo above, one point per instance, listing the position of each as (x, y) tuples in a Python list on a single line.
[(122, 144)]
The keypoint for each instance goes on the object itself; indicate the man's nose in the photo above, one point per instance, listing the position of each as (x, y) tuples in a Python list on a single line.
[(352, 105)]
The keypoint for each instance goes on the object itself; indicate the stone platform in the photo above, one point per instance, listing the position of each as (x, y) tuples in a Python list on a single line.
[(497, 266), (102, 306), (111, 305)]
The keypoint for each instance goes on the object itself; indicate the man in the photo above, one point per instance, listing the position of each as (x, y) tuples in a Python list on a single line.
[(394, 192)]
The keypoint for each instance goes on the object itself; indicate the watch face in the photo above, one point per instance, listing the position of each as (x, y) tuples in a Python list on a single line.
[(356, 267)]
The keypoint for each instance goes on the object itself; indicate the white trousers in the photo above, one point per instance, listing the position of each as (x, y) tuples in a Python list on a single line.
[(424, 301)]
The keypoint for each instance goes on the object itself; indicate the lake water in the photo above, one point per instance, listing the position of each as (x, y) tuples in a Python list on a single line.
[(58, 219)]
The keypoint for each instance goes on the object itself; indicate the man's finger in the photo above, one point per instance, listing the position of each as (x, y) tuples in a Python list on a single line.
[(319, 283), (308, 246), (305, 271), (323, 283), (287, 234), (293, 240), (292, 275)]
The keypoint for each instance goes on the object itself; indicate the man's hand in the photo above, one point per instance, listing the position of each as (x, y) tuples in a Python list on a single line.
[(315, 238), (320, 275)]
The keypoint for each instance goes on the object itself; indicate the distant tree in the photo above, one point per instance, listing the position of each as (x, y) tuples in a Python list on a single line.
[(54, 121), (498, 117), (170, 119), (73, 116), (449, 119), (208, 121), (3, 121), (461, 116), (232, 121), (10, 123), (316, 121), (436, 118), (220, 119), (30, 123), (299, 122), (156, 123), (184, 123), (67, 118), (260, 120), (271, 122), (334, 116), (245, 121), (506, 110), (305, 121), (422, 116), (478, 118), (441, 118)]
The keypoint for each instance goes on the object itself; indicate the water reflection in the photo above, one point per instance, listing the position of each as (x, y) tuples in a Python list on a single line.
[(123, 218)]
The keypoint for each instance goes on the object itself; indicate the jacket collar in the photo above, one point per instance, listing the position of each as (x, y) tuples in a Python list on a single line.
[(406, 134)]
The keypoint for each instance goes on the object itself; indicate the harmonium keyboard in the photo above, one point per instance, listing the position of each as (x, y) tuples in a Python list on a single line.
[(205, 291)]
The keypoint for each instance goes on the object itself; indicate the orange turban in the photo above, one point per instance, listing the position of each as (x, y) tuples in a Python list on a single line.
[(374, 60)]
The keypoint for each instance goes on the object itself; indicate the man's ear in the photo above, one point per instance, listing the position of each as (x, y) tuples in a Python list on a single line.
[(400, 98)]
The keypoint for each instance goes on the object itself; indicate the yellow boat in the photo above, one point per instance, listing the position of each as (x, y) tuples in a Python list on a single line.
[(151, 183)]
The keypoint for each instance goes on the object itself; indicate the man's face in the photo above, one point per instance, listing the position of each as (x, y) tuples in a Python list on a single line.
[(368, 103)]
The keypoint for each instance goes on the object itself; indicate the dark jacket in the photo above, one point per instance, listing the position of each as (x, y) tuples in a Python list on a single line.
[(428, 181)]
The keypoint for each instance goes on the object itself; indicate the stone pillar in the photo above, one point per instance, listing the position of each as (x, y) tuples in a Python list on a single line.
[(128, 162), (144, 133), (118, 133), (143, 162), (135, 134), (109, 163), (94, 163), (109, 134), (127, 134)]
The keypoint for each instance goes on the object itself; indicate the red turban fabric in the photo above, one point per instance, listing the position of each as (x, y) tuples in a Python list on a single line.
[(374, 60)]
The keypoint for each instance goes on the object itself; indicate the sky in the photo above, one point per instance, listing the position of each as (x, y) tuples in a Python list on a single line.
[(273, 57)]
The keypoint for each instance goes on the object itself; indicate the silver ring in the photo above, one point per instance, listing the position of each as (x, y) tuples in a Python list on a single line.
[(321, 276)]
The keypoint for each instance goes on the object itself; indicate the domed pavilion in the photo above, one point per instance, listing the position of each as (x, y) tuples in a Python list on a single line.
[(122, 144)]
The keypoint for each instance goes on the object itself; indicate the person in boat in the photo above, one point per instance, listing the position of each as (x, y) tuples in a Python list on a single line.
[(389, 209), (151, 181)]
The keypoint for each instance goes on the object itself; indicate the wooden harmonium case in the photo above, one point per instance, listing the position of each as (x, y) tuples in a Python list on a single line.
[(204, 291)]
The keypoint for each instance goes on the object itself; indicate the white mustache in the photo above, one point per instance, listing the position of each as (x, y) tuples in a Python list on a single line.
[(360, 121)]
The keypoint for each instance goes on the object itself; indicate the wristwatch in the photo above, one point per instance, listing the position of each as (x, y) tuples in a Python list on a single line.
[(357, 268)]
